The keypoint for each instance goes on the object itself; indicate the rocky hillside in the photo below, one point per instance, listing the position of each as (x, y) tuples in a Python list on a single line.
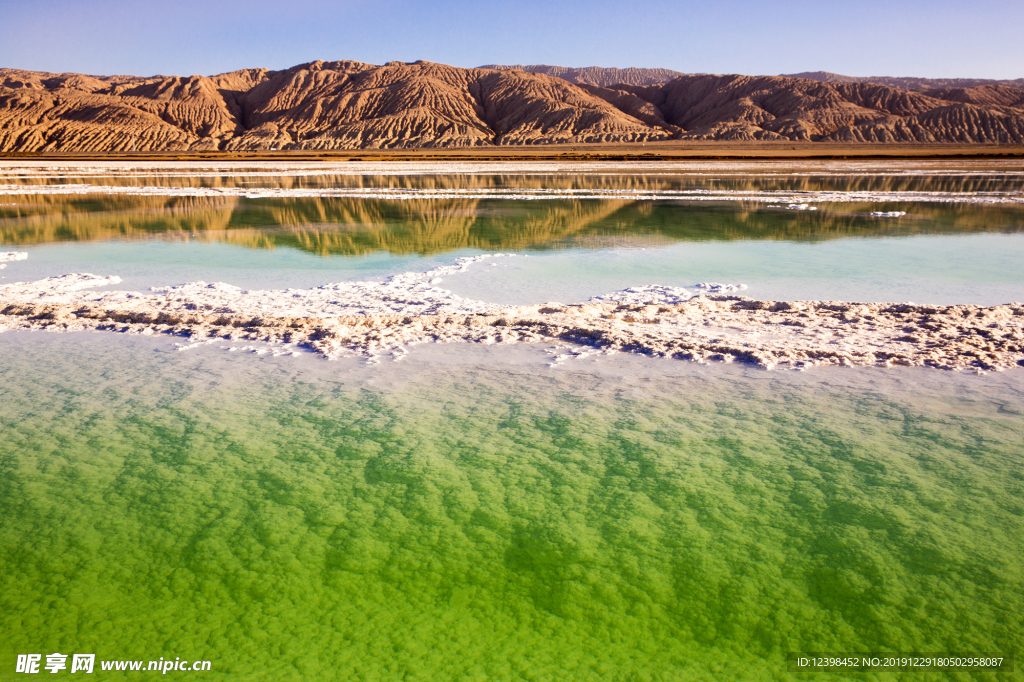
[(597, 75), (352, 105), (906, 82), (779, 108), (322, 105)]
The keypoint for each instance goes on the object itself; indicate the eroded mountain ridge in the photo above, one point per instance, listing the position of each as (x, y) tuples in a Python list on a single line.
[(353, 105)]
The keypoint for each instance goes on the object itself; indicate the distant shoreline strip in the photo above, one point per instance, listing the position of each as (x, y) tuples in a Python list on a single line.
[(403, 194)]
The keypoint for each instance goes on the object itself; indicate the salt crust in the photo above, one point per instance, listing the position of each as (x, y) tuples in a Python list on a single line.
[(774, 198), (374, 319), (796, 207), (279, 168), (33, 177), (9, 256)]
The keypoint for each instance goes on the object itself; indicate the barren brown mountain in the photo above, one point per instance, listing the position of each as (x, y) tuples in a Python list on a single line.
[(352, 105), (906, 82), (778, 108), (597, 75)]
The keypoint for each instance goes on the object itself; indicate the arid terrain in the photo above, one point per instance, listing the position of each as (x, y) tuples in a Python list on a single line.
[(596, 75), (907, 82), (607, 77), (346, 105)]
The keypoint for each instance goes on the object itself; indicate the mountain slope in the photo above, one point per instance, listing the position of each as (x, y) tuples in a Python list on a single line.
[(347, 105), (352, 105), (321, 105), (776, 108), (906, 82), (596, 75)]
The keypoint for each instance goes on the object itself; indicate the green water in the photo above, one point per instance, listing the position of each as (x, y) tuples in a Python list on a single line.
[(475, 515), (472, 514)]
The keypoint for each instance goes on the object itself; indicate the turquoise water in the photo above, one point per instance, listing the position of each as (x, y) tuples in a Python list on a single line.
[(482, 516), (985, 269), (577, 248)]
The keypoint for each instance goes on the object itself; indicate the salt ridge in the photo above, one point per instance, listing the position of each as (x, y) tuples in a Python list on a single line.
[(7, 256), (374, 319)]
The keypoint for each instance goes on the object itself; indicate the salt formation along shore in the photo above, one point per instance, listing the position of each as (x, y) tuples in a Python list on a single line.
[(9, 256), (373, 319), (772, 199)]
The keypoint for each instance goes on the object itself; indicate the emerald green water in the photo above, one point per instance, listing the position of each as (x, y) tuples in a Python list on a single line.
[(474, 515)]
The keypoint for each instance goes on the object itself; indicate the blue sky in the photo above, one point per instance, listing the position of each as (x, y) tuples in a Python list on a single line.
[(875, 38)]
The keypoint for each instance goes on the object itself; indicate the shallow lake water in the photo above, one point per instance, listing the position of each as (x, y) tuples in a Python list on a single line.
[(473, 512), (589, 230), (483, 516)]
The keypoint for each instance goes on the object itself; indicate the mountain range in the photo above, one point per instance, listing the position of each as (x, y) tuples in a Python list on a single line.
[(607, 77), (353, 105), (907, 82), (596, 75)]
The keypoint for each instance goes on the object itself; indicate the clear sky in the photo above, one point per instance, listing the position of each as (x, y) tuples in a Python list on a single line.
[(932, 38)]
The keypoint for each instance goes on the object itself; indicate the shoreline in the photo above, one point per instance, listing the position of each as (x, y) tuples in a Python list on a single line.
[(374, 318), (369, 319), (715, 328), (651, 151)]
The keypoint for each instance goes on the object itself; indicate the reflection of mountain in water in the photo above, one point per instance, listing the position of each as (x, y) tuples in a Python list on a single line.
[(332, 226)]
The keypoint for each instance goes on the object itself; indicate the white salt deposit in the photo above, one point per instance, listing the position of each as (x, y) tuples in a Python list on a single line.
[(383, 318), (375, 319), (408, 293), (41, 169), (57, 287), (716, 288), (11, 256), (647, 294), (658, 294), (774, 198), (150, 178)]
